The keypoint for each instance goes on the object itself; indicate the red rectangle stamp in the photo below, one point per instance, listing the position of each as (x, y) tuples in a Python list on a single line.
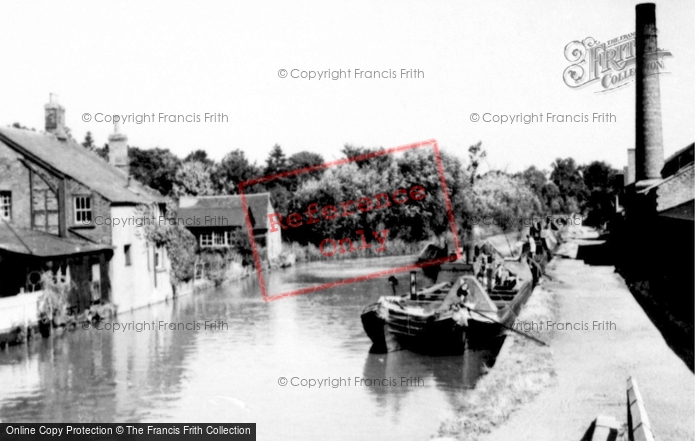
[(344, 216)]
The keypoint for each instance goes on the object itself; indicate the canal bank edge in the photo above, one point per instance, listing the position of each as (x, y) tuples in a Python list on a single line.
[(523, 370)]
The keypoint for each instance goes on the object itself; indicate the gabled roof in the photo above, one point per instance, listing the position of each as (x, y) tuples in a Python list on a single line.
[(194, 210), (73, 160), (40, 244)]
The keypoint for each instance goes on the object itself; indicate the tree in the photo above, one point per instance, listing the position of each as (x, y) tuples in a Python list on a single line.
[(567, 176), (276, 161), (535, 178), (103, 152), (476, 156), (88, 143), (154, 167), (199, 155), (234, 168), (547, 192), (599, 177), (304, 159), (377, 162), (553, 202), (193, 178), (501, 200)]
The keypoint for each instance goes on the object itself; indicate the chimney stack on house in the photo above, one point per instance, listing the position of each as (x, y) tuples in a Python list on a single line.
[(649, 142), (55, 118), (118, 150)]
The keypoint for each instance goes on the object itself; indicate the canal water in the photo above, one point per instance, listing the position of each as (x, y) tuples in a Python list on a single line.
[(232, 372)]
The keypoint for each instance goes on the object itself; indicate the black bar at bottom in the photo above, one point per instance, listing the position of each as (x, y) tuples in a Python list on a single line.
[(126, 432)]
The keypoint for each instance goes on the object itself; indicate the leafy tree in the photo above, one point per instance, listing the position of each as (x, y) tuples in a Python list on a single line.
[(200, 156), (103, 152), (193, 178), (241, 245), (376, 162), (547, 192), (501, 199), (535, 178), (88, 143), (599, 177), (567, 176), (304, 159), (552, 200), (232, 169), (276, 161), (154, 167), (476, 155)]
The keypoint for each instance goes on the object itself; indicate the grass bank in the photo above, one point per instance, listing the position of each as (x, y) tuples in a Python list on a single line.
[(523, 369), (311, 253)]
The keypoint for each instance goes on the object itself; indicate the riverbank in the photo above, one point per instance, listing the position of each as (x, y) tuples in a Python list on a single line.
[(504, 242), (523, 370), (312, 253), (592, 366)]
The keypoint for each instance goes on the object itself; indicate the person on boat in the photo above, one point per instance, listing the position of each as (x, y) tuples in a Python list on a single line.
[(499, 274)]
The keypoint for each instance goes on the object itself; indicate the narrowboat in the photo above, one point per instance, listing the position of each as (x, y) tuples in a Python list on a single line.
[(468, 309)]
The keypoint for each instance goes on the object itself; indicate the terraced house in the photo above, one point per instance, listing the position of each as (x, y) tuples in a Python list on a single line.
[(57, 200)]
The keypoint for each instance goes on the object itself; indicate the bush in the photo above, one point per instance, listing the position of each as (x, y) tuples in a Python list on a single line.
[(181, 246)]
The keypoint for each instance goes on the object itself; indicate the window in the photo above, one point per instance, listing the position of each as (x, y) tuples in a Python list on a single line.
[(83, 210), (127, 255), (159, 258), (214, 239), (219, 239), (205, 240), (6, 205)]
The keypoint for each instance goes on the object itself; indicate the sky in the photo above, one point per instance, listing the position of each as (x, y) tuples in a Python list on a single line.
[(192, 58)]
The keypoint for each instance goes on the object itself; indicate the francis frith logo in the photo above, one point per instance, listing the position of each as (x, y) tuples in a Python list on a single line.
[(610, 65)]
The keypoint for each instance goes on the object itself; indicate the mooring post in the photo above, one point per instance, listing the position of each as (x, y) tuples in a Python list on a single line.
[(414, 290)]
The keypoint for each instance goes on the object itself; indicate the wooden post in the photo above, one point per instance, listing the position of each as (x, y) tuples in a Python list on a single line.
[(62, 201), (414, 291)]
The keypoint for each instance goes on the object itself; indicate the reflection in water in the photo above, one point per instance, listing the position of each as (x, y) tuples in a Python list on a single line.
[(451, 374), (232, 374)]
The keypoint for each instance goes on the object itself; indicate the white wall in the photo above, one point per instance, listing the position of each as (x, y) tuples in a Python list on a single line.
[(137, 285), (273, 242), (19, 310)]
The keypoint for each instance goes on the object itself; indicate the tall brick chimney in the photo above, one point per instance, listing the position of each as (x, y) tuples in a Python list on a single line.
[(55, 118), (630, 175), (118, 150), (649, 142)]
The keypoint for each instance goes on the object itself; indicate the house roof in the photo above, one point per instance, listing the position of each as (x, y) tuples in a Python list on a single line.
[(40, 244), (678, 161), (684, 211), (75, 161), (200, 211)]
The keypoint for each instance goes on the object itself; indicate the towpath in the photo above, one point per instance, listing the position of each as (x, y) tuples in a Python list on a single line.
[(592, 366)]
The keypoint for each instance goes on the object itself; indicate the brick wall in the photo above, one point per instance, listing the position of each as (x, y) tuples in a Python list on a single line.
[(44, 201), (101, 229), (34, 191), (14, 177), (677, 190)]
